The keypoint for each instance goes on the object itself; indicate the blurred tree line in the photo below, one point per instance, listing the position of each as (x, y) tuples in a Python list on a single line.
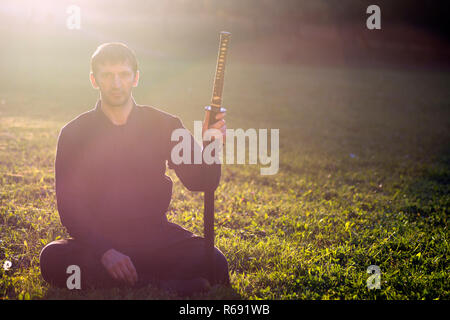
[(288, 15)]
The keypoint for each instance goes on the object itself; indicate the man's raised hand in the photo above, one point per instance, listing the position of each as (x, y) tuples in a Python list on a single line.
[(119, 266), (219, 125)]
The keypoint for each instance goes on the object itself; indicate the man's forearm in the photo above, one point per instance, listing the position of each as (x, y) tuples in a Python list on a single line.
[(198, 177), (84, 233)]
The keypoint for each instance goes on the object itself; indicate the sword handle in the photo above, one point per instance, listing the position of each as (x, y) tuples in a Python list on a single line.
[(216, 99)]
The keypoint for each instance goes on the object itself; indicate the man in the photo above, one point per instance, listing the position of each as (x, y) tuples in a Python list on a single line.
[(112, 192)]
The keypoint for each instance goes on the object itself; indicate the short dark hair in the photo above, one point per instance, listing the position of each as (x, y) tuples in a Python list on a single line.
[(113, 52)]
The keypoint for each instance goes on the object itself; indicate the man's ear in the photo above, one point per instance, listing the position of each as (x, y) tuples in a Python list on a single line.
[(93, 81), (136, 79)]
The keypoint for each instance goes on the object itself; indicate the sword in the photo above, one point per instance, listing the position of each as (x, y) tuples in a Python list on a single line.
[(210, 117)]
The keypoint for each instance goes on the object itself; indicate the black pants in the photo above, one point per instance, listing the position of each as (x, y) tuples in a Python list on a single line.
[(180, 261)]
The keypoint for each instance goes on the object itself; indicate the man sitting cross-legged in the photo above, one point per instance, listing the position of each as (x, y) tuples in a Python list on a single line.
[(112, 192)]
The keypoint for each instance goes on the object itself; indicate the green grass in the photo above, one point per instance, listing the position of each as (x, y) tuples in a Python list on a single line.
[(363, 180)]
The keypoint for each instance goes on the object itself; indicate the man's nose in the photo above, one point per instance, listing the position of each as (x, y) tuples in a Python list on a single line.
[(116, 81)]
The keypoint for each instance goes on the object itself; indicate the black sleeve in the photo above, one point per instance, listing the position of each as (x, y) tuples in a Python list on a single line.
[(71, 195), (195, 177)]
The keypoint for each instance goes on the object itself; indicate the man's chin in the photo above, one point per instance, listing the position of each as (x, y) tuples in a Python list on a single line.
[(116, 102)]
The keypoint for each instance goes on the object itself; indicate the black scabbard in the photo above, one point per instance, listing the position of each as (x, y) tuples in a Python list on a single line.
[(209, 232)]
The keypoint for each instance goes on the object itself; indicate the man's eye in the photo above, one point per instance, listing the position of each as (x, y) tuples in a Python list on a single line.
[(125, 74)]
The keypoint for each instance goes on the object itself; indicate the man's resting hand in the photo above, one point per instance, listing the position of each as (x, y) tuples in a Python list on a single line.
[(119, 266)]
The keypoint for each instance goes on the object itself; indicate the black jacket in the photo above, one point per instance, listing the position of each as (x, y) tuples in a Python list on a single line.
[(111, 186)]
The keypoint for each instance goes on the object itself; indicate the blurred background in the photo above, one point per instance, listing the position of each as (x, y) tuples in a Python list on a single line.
[(291, 31), (292, 63), (309, 67)]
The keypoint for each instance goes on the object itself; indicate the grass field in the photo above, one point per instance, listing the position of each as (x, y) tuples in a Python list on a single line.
[(363, 180)]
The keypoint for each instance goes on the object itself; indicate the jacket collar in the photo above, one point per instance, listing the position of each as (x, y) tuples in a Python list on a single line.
[(104, 118)]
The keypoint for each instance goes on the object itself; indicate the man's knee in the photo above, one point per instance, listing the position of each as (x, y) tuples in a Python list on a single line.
[(51, 260), (221, 268)]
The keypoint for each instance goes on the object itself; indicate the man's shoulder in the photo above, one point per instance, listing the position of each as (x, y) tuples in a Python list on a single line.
[(82, 121), (158, 116), (85, 121)]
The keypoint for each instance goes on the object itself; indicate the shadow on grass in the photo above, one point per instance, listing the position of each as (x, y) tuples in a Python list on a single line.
[(146, 293), (428, 196)]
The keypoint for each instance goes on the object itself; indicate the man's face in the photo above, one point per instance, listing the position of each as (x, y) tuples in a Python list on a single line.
[(115, 82)]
